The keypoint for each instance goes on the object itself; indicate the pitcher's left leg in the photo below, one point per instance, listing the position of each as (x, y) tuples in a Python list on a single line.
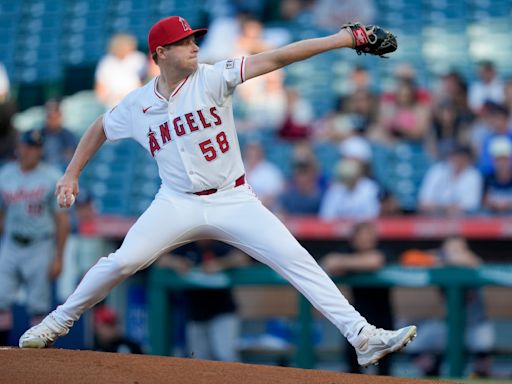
[(246, 224), (261, 235)]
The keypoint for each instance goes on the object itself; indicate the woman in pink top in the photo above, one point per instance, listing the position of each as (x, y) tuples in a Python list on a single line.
[(404, 117)]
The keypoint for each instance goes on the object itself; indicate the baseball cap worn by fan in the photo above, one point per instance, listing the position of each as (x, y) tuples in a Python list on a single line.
[(356, 147), (170, 30), (33, 137), (105, 315), (500, 146)]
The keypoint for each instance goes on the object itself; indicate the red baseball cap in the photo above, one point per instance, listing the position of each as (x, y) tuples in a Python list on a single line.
[(171, 30), (105, 315)]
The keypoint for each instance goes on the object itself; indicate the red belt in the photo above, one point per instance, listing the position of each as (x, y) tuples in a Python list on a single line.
[(238, 182)]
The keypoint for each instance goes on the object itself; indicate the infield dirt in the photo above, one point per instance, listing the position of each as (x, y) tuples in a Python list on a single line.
[(55, 366)]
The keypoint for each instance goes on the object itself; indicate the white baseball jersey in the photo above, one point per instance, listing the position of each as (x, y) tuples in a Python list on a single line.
[(192, 136)]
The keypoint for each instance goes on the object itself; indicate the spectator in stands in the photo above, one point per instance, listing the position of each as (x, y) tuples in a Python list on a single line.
[(303, 151), (488, 87), (497, 119), (451, 115), (453, 186), (363, 254), (479, 335), (5, 85), (8, 135), (251, 39), (303, 194), (120, 71), (59, 142), (352, 195), (498, 185), (448, 128), (223, 32), (508, 98), (406, 72), (298, 119), (354, 114), (404, 117), (265, 178), (363, 105), (294, 11), (360, 80), (213, 327), (108, 335), (453, 89), (337, 126), (262, 102), (358, 148)]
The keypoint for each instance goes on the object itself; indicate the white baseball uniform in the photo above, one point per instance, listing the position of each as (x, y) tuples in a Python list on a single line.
[(203, 194)]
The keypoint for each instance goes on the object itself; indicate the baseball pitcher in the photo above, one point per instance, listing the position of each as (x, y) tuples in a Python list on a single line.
[(184, 119)]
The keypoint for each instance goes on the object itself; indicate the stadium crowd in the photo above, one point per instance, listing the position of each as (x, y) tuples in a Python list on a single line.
[(442, 148)]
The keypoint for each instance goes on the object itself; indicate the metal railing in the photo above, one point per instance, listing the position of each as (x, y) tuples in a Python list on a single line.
[(454, 280)]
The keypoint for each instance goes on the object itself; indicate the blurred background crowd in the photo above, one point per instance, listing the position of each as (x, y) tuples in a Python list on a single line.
[(339, 136)]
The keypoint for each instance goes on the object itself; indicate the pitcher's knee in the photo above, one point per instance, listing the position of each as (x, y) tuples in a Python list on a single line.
[(125, 265)]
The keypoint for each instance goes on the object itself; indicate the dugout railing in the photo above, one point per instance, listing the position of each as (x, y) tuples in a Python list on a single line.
[(454, 280)]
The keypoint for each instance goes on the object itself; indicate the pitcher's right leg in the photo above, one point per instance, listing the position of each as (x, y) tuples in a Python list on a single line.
[(156, 231)]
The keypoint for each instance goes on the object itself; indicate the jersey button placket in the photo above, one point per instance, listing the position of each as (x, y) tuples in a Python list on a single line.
[(171, 110), (170, 105)]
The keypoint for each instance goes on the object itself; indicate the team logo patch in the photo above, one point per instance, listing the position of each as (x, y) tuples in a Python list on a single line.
[(230, 64)]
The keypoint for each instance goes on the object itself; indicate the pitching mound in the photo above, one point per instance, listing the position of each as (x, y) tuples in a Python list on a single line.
[(67, 366)]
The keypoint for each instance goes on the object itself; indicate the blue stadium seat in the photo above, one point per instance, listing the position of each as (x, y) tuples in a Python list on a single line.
[(400, 170)]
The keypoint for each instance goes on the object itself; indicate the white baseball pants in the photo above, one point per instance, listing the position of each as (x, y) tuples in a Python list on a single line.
[(234, 216)]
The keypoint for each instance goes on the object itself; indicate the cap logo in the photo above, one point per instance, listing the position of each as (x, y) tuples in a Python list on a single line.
[(186, 26)]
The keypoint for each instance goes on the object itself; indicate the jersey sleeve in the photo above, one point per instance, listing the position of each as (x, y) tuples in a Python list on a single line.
[(117, 122), (223, 77)]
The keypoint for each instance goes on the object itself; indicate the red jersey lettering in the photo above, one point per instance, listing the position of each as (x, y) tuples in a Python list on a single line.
[(213, 112), (178, 126), (164, 132), (191, 122), (203, 121), (153, 143)]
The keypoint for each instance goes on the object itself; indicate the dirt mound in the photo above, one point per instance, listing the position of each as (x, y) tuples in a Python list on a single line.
[(68, 366)]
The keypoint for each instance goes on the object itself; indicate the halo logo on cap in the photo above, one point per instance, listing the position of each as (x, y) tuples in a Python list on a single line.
[(186, 26), (170, 30)]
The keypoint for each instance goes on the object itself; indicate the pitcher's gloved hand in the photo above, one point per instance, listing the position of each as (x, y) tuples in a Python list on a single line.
[(371, 39)]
